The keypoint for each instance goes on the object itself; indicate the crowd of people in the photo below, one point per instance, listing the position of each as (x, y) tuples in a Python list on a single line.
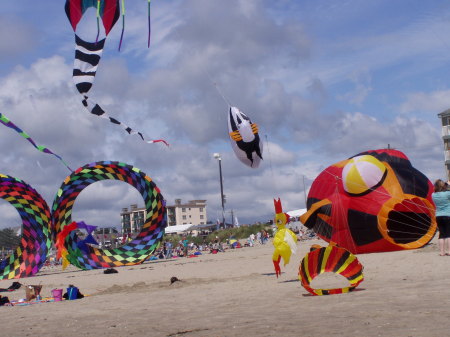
[(261, 237), (186, 248)]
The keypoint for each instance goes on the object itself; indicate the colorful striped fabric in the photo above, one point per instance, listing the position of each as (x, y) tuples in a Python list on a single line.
[(107, 10), (36, 239), (6, 122), (331, 259), (134, 252)]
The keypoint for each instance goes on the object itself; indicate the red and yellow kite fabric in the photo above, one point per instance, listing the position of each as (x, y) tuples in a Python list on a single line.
[(284, 241), (330, 259), (375, 201)]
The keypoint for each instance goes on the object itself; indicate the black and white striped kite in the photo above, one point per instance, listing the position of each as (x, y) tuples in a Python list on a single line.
[(88, 55)]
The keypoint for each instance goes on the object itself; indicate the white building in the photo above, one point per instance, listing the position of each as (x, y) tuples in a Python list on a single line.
[(445, 119), (193, 212), (133, 219)]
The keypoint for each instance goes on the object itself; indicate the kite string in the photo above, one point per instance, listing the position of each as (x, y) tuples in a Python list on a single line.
[(149, 25), (400, 200), (270, 158), (340, 213), (211, 80), (389, 196), (214, 83)]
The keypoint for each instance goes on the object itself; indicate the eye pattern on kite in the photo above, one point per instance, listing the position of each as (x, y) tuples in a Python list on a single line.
[(36, 239), (332, 259), (135, 251)]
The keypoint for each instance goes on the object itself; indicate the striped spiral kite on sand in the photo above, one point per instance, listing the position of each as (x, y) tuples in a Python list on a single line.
[(135, 251), (332, 259), (30, 255)]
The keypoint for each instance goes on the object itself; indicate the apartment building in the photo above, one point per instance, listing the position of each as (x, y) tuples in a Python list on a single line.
[(445, 120), (193, 212), (132, 219)]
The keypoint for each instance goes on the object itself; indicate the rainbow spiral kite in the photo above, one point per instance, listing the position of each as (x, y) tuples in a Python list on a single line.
[(332, 259), (135, 251), (36, 240)]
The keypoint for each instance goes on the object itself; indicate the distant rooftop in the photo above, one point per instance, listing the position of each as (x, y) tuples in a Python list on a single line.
[(445, 113), (189, 203)]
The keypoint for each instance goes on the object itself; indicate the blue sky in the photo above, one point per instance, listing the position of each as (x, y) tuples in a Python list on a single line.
[(324, 80)]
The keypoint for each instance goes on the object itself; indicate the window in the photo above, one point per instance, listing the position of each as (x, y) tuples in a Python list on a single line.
[(184, 217), (445, 120), (183, 209), (201, 209), (201, 216)]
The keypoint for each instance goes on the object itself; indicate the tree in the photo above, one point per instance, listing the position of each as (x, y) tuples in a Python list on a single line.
[(9, 239)]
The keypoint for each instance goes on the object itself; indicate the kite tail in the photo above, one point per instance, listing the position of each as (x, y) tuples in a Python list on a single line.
[(123, 24), (157, 141), (98, 20), (5, 121), (149, 25), (97, 110), (87, 58)]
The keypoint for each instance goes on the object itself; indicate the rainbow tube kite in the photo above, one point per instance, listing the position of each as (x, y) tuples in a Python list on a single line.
[(36, 240), (61, 237), (332, 259), (134, 252)]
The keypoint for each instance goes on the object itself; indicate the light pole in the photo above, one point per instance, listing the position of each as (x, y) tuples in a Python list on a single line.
[(219, 158)]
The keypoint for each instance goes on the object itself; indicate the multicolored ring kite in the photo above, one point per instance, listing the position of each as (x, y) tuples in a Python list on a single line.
[(134, 252), (330, 259), (36, 240)]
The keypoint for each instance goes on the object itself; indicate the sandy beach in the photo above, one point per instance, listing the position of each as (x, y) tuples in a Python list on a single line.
[(236, 293)]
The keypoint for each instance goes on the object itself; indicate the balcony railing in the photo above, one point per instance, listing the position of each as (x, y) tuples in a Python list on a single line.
[(446, 130)]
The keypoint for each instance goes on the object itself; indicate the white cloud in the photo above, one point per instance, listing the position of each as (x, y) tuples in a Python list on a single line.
[(268, 58), (436, 101), (362, 81)]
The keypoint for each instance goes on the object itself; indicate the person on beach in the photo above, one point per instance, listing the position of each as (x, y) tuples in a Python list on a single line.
[(258, 237), (441, 198), (185, 243), (251, 240), (215, 247), (169, 250)]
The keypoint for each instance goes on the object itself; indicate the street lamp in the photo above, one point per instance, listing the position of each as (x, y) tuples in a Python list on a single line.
[(219, 158)]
